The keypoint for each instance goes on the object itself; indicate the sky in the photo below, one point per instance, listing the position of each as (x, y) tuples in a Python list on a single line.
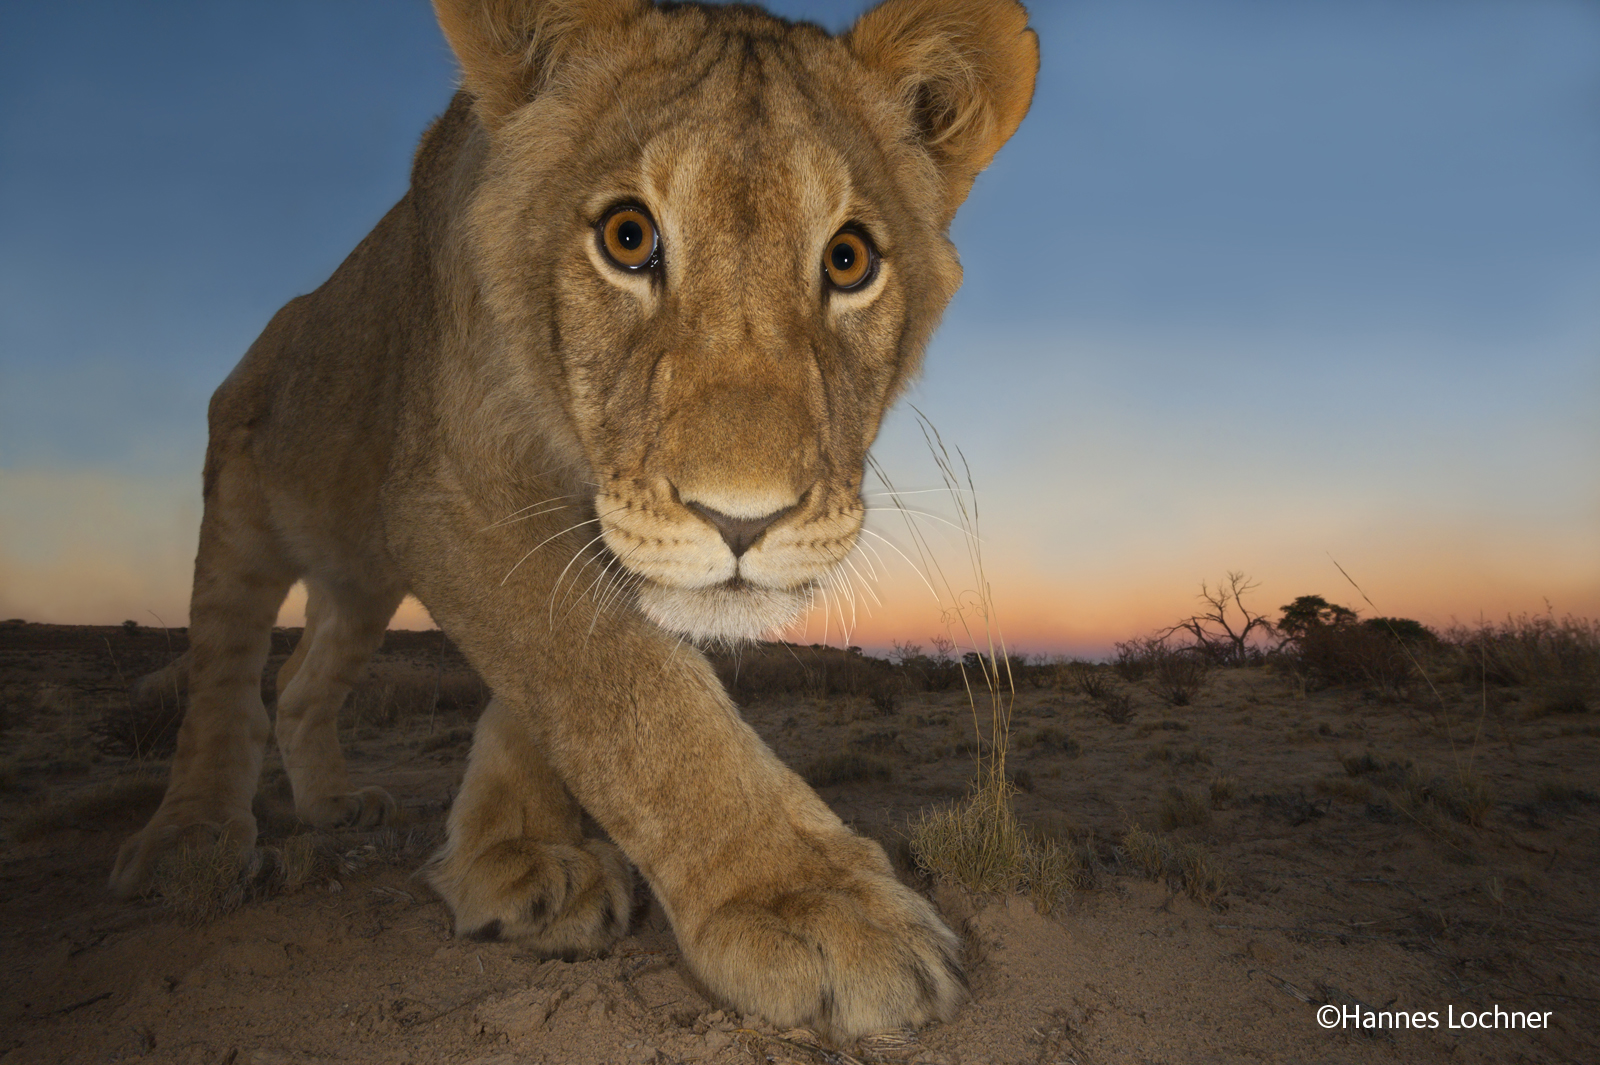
[(1260, 287)]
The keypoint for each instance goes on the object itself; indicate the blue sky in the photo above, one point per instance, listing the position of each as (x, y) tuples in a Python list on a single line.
[(1256, 284)]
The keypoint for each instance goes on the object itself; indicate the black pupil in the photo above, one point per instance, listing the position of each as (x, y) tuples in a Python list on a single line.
[(630, 235), (844, 256)]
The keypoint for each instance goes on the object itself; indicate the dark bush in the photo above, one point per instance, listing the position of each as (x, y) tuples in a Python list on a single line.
[(1355, 654)]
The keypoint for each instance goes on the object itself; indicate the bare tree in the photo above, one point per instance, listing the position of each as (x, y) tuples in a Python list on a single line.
[(905, 653), (1222, 630)]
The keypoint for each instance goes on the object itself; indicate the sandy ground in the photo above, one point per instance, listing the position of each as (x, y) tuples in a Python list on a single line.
[(1340, 891)]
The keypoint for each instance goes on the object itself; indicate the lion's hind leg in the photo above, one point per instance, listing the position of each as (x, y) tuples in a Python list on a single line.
[(240, 579), (515, 864), (340, 636)]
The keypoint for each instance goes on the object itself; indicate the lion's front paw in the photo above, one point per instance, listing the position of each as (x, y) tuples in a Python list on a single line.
[(363, 808), (845, 959), (173, 827), (561, 900)]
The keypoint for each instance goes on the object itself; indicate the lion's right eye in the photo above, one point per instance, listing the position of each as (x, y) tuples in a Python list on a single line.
[(629, 239)]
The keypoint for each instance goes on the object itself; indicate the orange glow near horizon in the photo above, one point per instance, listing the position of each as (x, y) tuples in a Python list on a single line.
[(94, 549), (1057, 618)]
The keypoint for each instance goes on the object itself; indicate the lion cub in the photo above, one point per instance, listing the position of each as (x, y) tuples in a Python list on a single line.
[(605, 378)]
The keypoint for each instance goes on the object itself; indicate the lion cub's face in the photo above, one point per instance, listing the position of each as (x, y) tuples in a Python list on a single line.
[(724, 235)]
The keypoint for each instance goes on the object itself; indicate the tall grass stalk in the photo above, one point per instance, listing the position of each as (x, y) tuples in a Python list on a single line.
[(979, 842), (969, 614)]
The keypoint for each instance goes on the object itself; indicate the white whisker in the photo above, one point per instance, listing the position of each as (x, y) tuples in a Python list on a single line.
[(513, 516), (521, 516), (554, 588), (865, 585), (915, 566), (541, 543), (903, 509)]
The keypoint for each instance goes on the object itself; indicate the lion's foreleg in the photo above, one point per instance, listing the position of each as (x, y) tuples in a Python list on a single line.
[(779, 908), (515, 864)]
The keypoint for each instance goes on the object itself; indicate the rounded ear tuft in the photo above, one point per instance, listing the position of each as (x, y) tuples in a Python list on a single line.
[(508, 48), (964, 70)]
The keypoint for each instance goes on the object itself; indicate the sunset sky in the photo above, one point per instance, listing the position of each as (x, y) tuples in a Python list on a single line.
[(1256, 287)]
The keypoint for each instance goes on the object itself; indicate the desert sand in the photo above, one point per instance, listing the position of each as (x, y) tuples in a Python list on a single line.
[(1343, 880)]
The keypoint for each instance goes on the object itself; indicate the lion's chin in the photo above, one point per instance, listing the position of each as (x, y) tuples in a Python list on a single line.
[(723, 613)]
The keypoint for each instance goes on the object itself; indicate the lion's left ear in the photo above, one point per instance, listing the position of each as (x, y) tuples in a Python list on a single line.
[(964, 70)]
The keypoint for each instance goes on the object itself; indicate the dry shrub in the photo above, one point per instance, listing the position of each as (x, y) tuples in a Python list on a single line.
[(848, 767), (1134, 657), (1537, 650), (1117, 708), (1178, 675), (1461, 794), (1357, 654), (1356, 765), (1087, 679)]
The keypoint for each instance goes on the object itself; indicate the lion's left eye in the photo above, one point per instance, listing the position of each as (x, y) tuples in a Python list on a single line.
[(629, 238), (849, 261)]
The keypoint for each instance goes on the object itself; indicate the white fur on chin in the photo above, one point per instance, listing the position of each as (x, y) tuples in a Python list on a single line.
[(723, 613)]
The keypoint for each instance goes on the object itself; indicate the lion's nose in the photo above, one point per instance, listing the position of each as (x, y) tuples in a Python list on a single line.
[(740, 534)]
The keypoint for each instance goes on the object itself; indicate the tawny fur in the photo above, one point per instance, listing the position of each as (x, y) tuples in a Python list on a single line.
[(480, 409)]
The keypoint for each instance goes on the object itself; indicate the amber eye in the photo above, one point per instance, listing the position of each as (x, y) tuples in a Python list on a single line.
[(629, 238), (849, 260)]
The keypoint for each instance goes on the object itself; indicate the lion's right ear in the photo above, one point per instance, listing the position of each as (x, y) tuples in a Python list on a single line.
[(964, 72), (508, 48)]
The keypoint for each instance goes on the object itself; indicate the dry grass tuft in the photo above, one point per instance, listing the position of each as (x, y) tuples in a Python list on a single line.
[(201, 881), (1190, 866), (302, 861), (1183, 808), (1146, 851), (979, 844), (1222, 790), (1172, 754), (1461, 795)]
